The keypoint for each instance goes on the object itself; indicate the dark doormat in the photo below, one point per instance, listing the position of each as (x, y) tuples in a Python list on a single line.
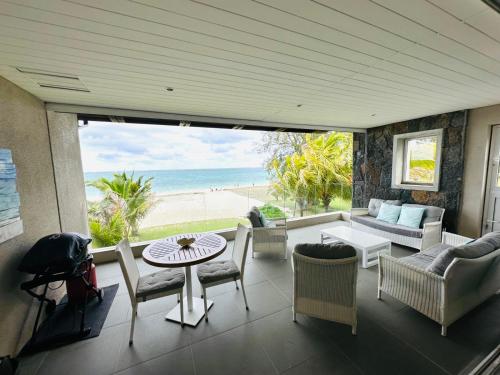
[(62, 327)]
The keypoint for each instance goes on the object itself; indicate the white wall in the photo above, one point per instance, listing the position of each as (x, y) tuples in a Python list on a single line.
[(476, 162)]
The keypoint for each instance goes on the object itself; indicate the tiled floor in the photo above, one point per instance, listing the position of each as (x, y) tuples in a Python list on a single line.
[(392, 338)]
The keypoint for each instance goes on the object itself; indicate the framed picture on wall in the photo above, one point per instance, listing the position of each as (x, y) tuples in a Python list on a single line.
[(11, 224)]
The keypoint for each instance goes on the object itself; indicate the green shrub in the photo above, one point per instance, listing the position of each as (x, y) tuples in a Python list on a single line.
[(106, 232), (271, 212)]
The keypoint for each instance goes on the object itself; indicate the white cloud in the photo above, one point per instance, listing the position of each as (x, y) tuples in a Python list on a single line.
[(117, 147)]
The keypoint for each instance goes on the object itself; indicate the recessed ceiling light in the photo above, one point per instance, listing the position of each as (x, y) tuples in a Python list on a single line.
[(169, 89)]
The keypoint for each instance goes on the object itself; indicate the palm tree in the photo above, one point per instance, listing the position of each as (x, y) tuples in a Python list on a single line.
[(290, 181), (329, 165), (128, 197)]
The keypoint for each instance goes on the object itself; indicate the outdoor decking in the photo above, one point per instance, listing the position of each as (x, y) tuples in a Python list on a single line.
[(392, 338)]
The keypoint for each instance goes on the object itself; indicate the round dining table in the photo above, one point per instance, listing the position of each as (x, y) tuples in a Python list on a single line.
[(168, 253)]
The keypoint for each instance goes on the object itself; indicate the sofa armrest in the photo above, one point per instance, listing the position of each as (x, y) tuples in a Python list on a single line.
[(416, 287), (454, 239), (359, 211), (431, 234)]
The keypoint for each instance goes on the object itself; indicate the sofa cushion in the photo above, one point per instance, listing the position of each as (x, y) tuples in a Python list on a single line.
[(210, 272), (254, 217), (436, 249), (391, 228), (411, 216), (441, 262), (161, 281), (478, 248), (420, 260), (389, 213), (475, 249), (431, 213), (326, 251), (374, 205)]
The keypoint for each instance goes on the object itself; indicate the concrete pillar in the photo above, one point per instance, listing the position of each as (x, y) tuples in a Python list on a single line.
[(68, 171)]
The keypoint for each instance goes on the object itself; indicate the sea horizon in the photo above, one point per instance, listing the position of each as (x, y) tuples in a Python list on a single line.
[(168, 181)]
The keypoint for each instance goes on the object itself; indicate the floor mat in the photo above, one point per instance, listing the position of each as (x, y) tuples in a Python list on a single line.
[(62, 327)]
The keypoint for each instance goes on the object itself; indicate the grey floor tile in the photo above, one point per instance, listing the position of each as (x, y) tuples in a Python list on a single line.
[(376, 351), (153, 336), (263, 299), (233, 352), (224, 315), (179, 362), (331, 363), (119, 312), (96, 356), (289, 343)]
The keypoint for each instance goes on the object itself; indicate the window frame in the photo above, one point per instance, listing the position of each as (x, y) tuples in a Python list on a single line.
[(399, 160)]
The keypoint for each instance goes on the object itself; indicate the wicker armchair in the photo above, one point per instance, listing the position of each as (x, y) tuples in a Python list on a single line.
[(269, 236), (465, 284), (324, 282)]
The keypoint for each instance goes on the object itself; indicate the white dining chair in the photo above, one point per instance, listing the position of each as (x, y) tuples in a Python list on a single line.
[(143, 288), (224, 271)]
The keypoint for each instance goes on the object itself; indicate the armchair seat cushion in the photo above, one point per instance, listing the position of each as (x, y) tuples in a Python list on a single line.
[(425, 258), (161, 281), (210, 272), (387, 227)]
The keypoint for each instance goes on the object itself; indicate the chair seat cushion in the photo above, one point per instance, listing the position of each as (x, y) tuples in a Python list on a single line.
[(402, 230), (159, 282), (210, 272)]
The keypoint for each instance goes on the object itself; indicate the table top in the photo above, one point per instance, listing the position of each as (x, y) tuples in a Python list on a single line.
[(355, 237), (167, 253)]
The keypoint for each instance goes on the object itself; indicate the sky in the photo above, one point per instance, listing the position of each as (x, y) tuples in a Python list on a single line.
[(115, 147)]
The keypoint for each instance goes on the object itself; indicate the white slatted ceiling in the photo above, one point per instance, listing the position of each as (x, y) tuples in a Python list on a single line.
[(354, 63)]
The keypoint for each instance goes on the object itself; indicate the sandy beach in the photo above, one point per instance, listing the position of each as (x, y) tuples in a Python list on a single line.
[(182, 207)]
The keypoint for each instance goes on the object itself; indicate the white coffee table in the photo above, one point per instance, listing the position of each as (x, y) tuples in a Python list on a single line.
[(368, 244)]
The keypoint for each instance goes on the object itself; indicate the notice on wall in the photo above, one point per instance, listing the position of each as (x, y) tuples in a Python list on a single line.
[(11, 224)]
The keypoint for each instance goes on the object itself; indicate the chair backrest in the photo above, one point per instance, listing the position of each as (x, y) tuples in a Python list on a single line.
[(129, 267), (240, 248)]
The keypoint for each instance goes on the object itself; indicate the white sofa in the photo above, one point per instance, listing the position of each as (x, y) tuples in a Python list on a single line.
[(421, 238), (464, 284)]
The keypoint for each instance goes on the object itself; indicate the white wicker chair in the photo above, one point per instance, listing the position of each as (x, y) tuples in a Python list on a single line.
[(143, 288), (325, 288), (225, 271), (465, 284), (271, 238)]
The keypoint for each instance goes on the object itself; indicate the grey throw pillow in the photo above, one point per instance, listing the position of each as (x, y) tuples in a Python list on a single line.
[(441, 262), (326, 251), (474, 249), (254, 217)]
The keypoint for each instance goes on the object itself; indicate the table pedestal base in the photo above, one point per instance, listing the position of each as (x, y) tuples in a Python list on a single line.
[(193, 317)]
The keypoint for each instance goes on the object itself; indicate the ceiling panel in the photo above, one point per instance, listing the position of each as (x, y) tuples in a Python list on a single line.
[(347, 63)]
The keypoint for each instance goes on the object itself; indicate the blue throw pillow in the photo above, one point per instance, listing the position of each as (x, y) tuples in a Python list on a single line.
[(411, 216), (389, 213)]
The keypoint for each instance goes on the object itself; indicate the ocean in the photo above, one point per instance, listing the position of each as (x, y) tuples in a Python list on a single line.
[(165, 181)]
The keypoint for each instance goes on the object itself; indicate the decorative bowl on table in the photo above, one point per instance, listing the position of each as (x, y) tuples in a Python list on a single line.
[(185, 242)]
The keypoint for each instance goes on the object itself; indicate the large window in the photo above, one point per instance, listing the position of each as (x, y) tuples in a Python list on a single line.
[(146, 182), (416, 161)]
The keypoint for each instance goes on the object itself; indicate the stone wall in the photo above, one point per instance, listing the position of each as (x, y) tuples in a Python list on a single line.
[(372, 173)]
